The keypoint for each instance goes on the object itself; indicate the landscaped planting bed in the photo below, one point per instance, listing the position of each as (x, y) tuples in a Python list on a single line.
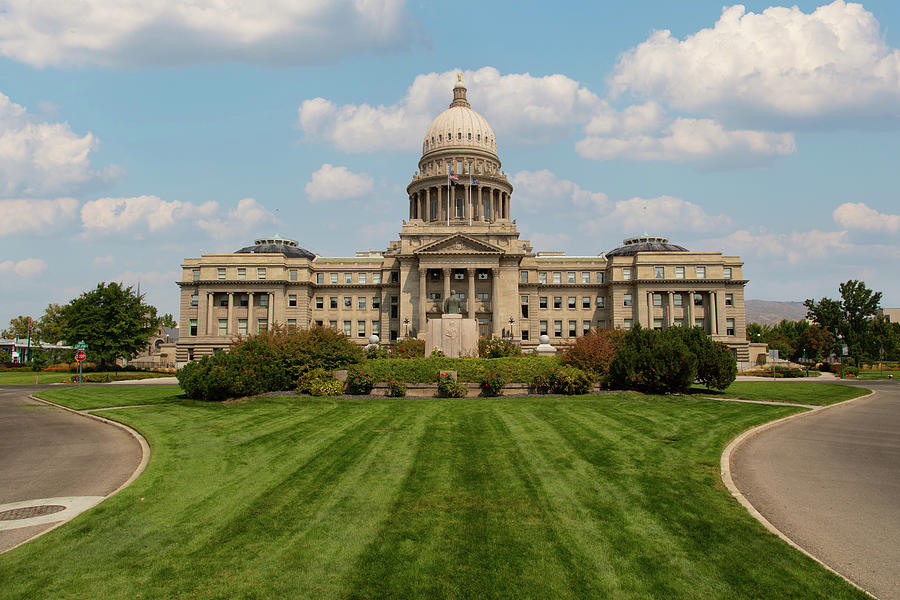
[(519, 369)]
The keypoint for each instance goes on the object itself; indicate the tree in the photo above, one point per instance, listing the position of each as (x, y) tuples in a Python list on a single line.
[(167, 320), (112, 320), (21, 327), (38, 359), (52, 324), (850, 318)]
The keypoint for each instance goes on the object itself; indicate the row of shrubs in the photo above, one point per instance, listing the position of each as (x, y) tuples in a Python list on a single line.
[(425, 370)]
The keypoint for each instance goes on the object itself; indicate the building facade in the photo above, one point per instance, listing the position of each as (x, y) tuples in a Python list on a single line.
[(459, 239)]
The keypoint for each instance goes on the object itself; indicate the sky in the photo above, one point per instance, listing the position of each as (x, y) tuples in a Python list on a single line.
[(137, 133)]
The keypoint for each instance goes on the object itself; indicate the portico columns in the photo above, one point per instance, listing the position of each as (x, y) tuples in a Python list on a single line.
[(201, 313), (446, 279), (690, 309), (229, 328), (426, 214), (670, 311), (270, 313), (480, 209), (470, 294), (210, 296), (251, 327), (423, 299), (495, 304)]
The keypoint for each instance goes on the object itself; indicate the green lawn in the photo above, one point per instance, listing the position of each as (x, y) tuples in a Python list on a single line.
[(877, 374), (28, 377), (609, 496), (88, 396), (805, 392)]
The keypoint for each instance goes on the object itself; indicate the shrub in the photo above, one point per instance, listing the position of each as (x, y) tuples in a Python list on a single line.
[(716, 367), (319, 382), (301, 350), (540, 384), (520, 369), (437, 353), (492, 383), (569, 381), (409, 348), (653, 361), (396, 389), (497, 348), (450, 388), (5, 356), (248, 369), (594, 351), (359, 381), (376, 352)]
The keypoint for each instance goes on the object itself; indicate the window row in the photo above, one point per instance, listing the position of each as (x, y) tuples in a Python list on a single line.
[(361, 331), (677, 299), (347, 277), (571, 301), (347, 302), (571, 276), (660, 272), (241, 273)]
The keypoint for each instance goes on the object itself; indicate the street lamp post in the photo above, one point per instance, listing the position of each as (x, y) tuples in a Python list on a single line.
[(841, 352)]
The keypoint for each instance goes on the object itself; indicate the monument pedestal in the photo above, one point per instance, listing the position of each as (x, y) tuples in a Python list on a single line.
[(452, 335)]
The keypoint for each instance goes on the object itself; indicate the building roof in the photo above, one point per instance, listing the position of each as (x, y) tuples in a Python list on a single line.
[(277, 245), (459, 127), (645, 243)]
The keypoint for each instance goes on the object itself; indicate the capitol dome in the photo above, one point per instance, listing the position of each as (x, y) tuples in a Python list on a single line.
[(459, 127)]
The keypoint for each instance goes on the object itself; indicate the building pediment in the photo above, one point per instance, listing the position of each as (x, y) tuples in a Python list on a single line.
[(459, 244)]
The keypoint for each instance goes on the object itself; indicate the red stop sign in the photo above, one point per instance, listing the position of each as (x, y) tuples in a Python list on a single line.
[(80, 355)]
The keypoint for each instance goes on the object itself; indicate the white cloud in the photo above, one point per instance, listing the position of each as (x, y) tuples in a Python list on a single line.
[(22, 216), (778, 63), (689, 140), (536, 190), (549, 241), (245, 217), (131, 33), (104, 260), (29, 267), (137, 214), (857, 215), (796, 247), (657, 215), (337, 183), (39, 158), (519, 107)]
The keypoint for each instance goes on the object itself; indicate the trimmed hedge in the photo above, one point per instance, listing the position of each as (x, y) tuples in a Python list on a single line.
[(518, 369)]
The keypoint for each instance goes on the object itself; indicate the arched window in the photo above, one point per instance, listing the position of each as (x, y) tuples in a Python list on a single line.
[(459, 135), (478, 137), (470, 137)]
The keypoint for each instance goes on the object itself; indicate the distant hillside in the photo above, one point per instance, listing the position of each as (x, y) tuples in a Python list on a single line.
[(768, 312)]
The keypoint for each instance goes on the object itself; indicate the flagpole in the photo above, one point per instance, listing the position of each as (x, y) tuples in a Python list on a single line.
[(469, 199), (448, 196)]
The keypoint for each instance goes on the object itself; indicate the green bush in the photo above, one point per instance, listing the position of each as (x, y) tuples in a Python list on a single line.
[(301, 350), (250, 368), (359, 381), (377, 352), (653, 361), (540, 384), (409, 348), (319, 382), (498, 348), (520, 369), (569, 381), (492, 383), (450, 388), (594, 351), (396, 389), (437, 353)]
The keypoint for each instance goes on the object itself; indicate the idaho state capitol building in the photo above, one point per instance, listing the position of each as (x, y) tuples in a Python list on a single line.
[(460, 240)]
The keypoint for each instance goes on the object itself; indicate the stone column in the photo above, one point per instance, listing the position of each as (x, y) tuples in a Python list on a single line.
[(479, 209), (446, 279), (506, 206), (720, 313), (229, 328), (209, 314), (201, 312), (650, 309), (470, 294), (670, 310), (270, 314), (690, 309), (495, 296), (423, 301), (425, 213), (251, 322)]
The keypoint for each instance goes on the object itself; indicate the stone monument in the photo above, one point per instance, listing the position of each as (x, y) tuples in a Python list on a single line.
[(452, 334), (544, 348)]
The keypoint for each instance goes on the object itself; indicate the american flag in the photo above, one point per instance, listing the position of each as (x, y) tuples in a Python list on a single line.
[(474, 181), (454, 177)]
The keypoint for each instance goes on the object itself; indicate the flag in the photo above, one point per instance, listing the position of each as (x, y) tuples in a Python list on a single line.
[(474, 181), (453, 177)]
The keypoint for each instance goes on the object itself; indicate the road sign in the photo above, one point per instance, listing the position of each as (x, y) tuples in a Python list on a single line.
[(773, 354), (80, 355), (81, 345)]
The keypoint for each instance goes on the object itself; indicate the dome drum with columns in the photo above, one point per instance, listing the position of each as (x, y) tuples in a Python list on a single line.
[(460, 240)]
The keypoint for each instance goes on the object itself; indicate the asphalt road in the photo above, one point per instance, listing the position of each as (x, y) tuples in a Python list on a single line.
[(46, 452), (831, 483)]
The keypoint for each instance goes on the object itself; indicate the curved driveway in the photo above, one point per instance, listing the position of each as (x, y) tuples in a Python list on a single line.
[(831, 482), (47, 452)]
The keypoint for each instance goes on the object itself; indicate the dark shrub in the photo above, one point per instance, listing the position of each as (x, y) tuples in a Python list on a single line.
[(653, 361), (319, 382), (497, 348), (716, 367), (493, 383), (360, 381), (540, 384), (300, 350), (249, 368), (569, 381), (450, 388), (396, 389), (594, 351)]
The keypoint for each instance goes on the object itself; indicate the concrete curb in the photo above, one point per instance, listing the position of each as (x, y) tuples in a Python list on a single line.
[(725, 465), (145, 458)]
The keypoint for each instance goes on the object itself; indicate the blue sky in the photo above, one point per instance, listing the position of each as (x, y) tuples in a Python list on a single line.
[(135, 134)]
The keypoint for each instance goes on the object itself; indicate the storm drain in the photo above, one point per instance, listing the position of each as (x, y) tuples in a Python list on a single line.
[(27, 512)]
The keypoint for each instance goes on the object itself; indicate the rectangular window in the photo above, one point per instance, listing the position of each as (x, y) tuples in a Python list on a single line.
[(676, 300), (557, 301), (223, 300), (362, 277), (361, 303), (243, 300), (242, 326), (333, 325), (523, 276), (570, 277), (600, 277), (586, 327), (332, 302), (348, 301), (220, 273), (657, 323), (726, 273), (320, 302), (459, 276), (557, 328), (264, 300), (395, 277), (348, 277), (525, 334), (361, 329), (223, 328), (657, 299), (262, 324), (482, 296), (195, 274), (292, 323), (395, 308), (585, 302), (679, 272), (376, 302), (701, 272), (320, 323), (585, 277), (261, 273), (292, 300), (333, 277), (660, 272), (376, 328), (376, 277), (557, 277), (626, 274), (193, 326), (698, 322), (190, 354), (542, 302), (601, 324), (293, 274), (729, 326), (628, 324), (543, 328), (347, 331), (572, 302), (627, 300), (601, 301), (698, 300), (729, 299), (320, 278), (524, 310), (573, 328), (679, 322), (195, 299), (242, 273), (542, 277)]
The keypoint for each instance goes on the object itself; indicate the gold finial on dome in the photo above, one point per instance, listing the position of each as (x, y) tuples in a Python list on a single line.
[(459, 77), (459, 93)]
